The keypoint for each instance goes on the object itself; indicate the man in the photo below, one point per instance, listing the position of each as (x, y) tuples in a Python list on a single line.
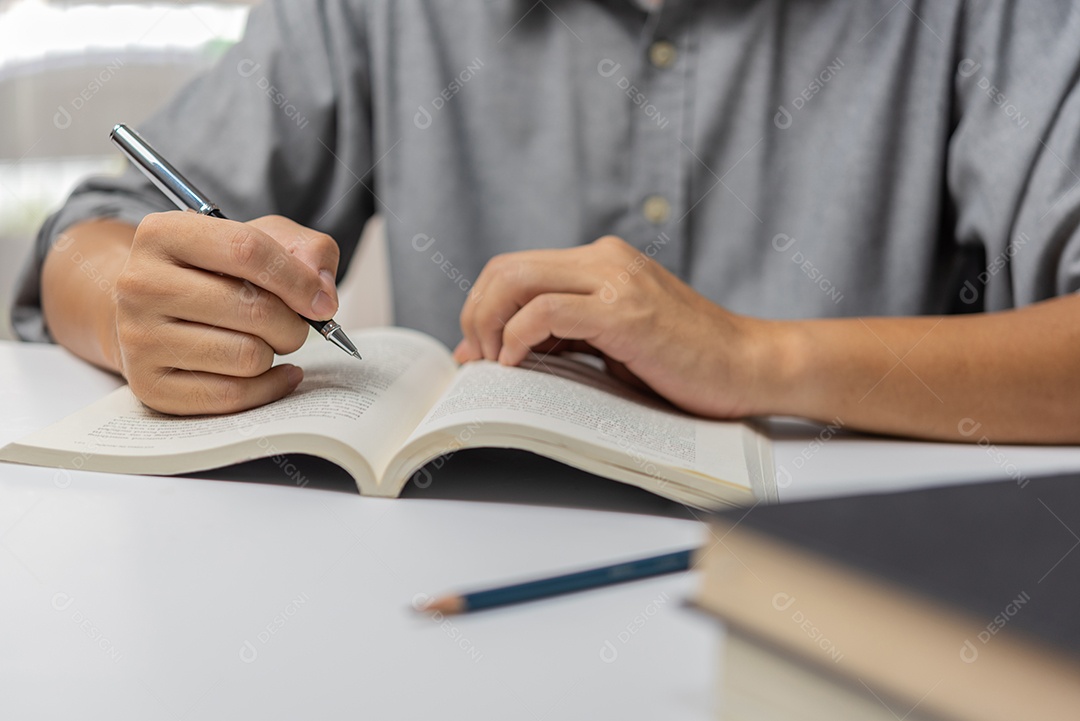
[(745, 165)]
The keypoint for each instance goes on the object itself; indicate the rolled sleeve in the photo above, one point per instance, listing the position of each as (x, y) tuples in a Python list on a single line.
[(1049, 214), (1015, 153)]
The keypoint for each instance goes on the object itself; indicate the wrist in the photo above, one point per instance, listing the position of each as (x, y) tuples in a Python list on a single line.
[(78, 292), (778, 360)]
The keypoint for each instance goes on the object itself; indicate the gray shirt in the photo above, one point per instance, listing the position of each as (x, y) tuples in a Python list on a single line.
[(787, 159)]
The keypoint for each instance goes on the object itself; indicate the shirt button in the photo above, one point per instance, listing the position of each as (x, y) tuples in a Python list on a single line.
[(656, 209), (662, 54)]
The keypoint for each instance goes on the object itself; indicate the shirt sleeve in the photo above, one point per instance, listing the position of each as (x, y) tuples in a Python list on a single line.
[(280, 125), (1014, 156)]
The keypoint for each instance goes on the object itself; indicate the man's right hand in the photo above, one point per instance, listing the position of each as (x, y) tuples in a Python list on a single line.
[(201, 305)]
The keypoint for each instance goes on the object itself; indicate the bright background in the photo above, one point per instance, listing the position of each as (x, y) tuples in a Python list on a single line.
[(69, 71)]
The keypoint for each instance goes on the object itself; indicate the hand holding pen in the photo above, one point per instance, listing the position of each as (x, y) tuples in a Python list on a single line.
[(203, 303)]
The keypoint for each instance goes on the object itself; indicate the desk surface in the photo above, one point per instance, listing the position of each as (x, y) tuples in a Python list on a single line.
[(143, 597)]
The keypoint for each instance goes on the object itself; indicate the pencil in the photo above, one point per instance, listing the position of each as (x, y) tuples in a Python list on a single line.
[(558, 585)]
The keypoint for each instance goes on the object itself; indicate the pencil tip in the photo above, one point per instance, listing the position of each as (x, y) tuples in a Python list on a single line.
[(447, 605)]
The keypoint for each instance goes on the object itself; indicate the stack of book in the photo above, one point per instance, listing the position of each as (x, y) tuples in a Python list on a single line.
[(950, 603)]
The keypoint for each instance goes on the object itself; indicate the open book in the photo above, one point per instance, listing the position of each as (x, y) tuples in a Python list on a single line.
[(407, 403)]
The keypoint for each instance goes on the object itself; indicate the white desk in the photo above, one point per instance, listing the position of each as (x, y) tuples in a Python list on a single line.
[(138, 597)]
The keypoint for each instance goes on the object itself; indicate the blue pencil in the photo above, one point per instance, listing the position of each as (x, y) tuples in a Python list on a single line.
[(568, 583)]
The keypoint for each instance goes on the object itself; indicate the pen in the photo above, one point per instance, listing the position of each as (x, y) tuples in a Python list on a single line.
[(568, 583), (176, 187)]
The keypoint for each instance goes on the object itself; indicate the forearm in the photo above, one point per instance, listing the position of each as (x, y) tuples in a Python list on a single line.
[(78, 285), (1009, 376)]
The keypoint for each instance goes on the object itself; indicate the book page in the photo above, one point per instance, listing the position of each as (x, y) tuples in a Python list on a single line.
[(371, 405), (579, 401)]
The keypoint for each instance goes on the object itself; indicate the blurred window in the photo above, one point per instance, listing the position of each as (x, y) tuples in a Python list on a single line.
[(69, 71)]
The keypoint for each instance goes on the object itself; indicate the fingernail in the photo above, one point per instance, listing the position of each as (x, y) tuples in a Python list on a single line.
[(328, 281), (295, 374), (465, 352), (323, 305)]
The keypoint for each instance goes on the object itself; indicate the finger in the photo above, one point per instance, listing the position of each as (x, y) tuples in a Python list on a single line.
[(200, 297), (198, 347), (624, 374), (466, 352), (241, 251), (548, 347), (496, 270), (187, 393), (510, 281), (314, 249), (566, 316)]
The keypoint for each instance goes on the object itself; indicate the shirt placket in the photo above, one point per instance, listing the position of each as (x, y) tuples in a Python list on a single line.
[(659, 104)]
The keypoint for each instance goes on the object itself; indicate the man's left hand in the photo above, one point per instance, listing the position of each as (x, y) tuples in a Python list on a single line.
[(627, 308)]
